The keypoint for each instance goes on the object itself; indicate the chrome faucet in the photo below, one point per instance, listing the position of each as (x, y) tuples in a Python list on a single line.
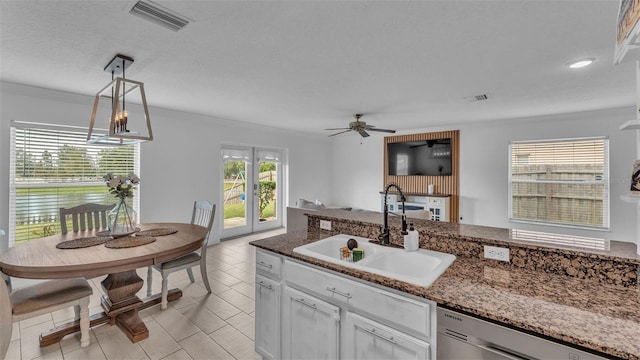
[(384, 237)]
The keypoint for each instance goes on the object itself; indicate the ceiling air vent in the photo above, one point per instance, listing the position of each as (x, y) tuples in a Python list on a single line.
[(478, 97), (158, 15)]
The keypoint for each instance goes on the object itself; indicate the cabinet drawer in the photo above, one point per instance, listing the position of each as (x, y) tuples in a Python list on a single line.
[(407, 314), (436, 201), (268, 264)]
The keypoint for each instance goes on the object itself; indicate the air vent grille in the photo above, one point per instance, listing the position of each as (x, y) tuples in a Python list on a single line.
[(162, 17), (456, 334)]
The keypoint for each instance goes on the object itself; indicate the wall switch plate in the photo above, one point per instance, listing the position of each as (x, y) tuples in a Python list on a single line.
[(325, 224), (496, 253)]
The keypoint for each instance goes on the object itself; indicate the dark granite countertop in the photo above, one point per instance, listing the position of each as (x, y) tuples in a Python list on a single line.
[(601, 317)]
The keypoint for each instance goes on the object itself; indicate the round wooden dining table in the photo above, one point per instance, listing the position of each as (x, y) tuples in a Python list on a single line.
[(41, 259)]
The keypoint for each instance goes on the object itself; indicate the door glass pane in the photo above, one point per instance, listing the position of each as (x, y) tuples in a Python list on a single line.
[(267, 194), (235, 194)]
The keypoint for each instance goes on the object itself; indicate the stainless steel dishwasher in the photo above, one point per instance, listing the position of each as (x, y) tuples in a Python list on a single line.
[(462, 337)]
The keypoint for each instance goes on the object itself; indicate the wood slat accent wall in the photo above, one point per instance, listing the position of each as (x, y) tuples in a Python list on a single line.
[(449, 185)]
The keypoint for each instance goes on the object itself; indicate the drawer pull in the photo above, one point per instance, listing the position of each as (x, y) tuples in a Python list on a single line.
[(374, 333), (262, 263), (333, 290), (261, 283), (301, 301)]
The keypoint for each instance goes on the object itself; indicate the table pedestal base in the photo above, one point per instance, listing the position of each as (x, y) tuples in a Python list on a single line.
[(121, 307)]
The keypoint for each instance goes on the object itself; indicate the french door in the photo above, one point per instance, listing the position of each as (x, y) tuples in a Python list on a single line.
[(252, 189)]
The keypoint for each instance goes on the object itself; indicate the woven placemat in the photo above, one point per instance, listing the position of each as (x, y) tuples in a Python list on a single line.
[(157, 232), (106, 232), (82, 242), (129, 241)]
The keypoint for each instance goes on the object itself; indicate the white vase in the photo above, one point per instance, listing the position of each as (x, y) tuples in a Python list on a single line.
[(122, 219)]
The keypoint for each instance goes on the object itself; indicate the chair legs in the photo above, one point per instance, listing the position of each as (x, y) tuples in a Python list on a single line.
[(165, 291), (205, 278), (83, 313), (149, 277), (190, 273)]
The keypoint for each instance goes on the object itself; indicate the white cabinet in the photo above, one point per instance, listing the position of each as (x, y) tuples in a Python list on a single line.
[(267, 318), (307, 312), (310, 327), (267, 315), (369, 340)]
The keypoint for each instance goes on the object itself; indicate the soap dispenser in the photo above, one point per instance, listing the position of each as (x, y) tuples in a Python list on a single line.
[(411, 240)]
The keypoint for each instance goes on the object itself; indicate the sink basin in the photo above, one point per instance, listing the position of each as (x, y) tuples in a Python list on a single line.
[(329, 249), (420, 267)]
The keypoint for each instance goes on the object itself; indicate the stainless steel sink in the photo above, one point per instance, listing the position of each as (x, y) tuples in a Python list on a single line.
[(420, 267)]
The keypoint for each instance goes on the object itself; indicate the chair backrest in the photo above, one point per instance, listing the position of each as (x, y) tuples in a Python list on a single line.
[(6, 318), (85, 217), (204, 213)]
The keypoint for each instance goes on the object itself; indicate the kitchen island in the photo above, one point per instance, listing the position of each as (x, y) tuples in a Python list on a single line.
[(594, 307)]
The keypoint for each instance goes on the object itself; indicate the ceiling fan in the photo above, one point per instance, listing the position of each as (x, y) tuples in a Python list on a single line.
[(361, 127)]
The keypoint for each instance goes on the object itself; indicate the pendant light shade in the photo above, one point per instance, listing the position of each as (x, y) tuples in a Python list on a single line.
[(122, 106)]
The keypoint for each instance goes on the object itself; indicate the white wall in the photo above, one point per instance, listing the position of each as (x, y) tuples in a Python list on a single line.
[(181, 164), (484, 167)]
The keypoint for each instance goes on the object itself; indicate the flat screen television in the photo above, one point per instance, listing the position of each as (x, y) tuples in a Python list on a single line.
[(422, 157)]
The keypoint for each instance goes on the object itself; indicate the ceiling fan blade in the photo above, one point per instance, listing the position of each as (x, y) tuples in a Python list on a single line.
[(383, 130), (341, 132), (363, 133), (339, 129)]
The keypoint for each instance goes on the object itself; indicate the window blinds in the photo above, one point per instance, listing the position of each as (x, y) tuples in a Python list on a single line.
[(564, 182), (53, 167)]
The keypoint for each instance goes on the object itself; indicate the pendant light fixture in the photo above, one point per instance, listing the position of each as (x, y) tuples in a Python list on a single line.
[(124, 104)]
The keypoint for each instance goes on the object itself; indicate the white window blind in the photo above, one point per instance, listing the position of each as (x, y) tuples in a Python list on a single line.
[(53, 167), (560, 182)]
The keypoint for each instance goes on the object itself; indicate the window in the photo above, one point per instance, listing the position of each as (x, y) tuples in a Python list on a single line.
[(53, 167), (560, 182)]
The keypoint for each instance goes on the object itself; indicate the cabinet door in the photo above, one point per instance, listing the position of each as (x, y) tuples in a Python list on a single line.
[(267, 318), (310, 327), (367, 339)]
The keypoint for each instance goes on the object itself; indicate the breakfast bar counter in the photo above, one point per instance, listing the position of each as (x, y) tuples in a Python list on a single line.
[(593, 313)]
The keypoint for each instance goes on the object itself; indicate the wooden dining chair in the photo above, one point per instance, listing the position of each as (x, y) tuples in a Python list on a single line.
[(42, 298), (85, 217), (203, 214)]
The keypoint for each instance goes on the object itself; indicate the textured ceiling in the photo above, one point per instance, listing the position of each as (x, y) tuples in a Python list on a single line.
[(309, 65)]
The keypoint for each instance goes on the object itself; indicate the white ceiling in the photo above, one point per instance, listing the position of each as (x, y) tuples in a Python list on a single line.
[(310, 65)]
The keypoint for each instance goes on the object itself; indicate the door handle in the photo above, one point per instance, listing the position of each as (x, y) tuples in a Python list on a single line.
[(301, 301), (335, 291), (374, 333)]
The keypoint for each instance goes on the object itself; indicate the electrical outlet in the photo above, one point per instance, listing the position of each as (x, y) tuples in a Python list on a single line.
[(325, 224), (496, 253)]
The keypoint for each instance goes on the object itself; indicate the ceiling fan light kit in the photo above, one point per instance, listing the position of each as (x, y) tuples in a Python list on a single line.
[(124, 104), (359, 126)]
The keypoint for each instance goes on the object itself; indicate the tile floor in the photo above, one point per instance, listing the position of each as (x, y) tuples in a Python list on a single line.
[(197, 326)]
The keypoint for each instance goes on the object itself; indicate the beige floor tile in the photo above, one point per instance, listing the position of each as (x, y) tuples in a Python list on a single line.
[(200, 346), (35, 320), (71, 342), (62, 316), (223, 277), (204, 319), (13, 353), (15, 333), (240, 346), (93, 352), (116, 345), (30, 341), (243, 323), (160, 343), (178, 355), (247, 289), (241, 274), (175, 323), (238, 300), (218, 306)]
